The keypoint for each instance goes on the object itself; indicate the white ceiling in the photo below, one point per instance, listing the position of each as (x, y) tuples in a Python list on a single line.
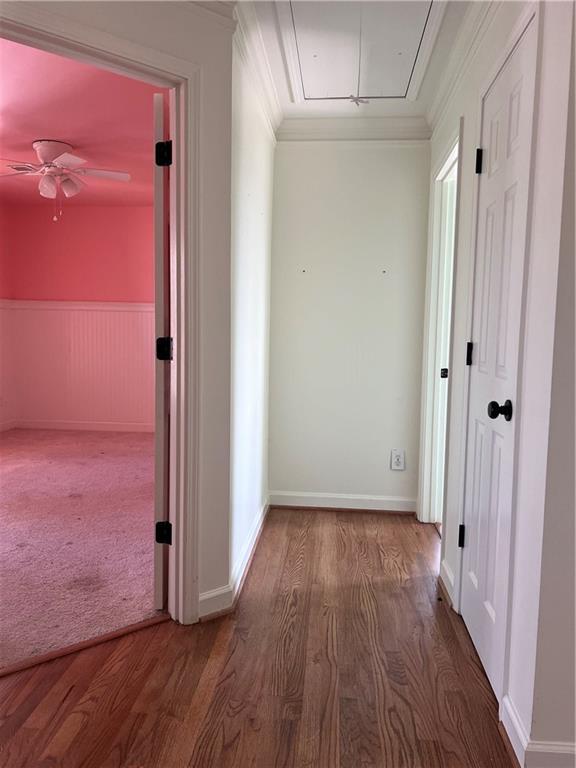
[(315, 51)]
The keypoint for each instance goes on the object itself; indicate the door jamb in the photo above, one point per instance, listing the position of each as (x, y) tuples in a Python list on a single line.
[(44, 31), (429, 373)]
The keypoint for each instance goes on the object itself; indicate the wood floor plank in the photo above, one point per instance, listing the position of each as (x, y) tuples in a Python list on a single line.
[(341, 653), (361, 745), (317, 742)]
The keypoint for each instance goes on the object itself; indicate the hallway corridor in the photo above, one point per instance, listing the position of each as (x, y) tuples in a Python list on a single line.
[(340, 653)]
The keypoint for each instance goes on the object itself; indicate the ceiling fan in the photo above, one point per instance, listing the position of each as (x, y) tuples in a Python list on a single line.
[(58, 169)]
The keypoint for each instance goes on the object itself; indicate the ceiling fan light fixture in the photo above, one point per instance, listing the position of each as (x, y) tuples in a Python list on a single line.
[(61, 173), (48, 187), (70, 186), (47, 150)]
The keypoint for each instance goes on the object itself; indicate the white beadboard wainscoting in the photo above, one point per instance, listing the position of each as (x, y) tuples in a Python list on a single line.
[(76, 365)]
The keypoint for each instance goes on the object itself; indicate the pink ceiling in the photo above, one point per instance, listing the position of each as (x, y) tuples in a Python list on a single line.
[(107, 118)]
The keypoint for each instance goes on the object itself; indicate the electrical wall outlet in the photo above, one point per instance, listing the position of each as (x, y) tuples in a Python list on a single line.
[(398, 459)]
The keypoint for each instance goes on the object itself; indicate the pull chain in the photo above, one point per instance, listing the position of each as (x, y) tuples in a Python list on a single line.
[(57, 203)]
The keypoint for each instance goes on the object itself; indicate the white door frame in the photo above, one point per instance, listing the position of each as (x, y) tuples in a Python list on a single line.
[(41, 30), (427, 482)]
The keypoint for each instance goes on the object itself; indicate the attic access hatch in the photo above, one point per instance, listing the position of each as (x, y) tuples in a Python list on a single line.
[(358, 51)]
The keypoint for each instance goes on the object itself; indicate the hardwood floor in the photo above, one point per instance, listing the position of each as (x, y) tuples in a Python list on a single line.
[(340, 654)]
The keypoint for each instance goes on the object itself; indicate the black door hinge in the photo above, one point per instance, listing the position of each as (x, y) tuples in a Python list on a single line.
[(479, 155), (461, 535), (164, 348), (443, 373), (469, 349), (163, 532), (163, 153)]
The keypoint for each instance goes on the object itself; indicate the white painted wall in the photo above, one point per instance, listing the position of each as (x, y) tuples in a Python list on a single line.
[(194, 34), (348, 271), (253, 145)]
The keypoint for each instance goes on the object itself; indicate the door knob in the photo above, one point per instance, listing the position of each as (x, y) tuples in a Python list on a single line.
[(495, 410)]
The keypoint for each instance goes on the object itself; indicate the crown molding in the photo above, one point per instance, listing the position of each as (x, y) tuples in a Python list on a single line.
[(478, 19), (290, 60), (221, 13), (252, 51), (353, 129)]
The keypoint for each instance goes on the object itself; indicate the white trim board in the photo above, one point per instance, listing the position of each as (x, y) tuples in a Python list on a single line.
[(550, 754), (514, 727), (85, 426), (239, 568), (534, 754), (446, 575), (216, 601), (434, 329), (222, 598), (353, 129), (252, 51), (468, 40), (88, 306), (342, 501)]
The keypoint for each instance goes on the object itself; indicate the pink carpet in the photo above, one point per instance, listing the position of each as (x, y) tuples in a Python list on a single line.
[(76, 537)]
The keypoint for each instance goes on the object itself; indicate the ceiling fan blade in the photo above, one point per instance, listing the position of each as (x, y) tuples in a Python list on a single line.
[(71, 185), (15, 173), (48, 187), (66, 160), (20, 166), (103, 174)]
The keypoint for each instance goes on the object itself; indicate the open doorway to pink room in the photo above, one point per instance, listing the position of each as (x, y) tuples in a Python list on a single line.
[(79, 391)]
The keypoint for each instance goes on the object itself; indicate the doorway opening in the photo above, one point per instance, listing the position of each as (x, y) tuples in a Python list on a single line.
[(79, 381), (438, 335)]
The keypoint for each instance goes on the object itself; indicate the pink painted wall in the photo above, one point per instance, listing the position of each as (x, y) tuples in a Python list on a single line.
[(94, 253)]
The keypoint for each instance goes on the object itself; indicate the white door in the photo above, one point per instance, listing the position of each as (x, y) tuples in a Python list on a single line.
[(162, 330), (507, 111)]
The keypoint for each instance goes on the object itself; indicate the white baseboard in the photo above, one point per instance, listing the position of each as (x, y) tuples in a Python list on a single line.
[(239, 568), (343, 501), (222, 598), (87, 426), (514, 727), (534, 754), (550, 754), (447, 579), (216, 601)]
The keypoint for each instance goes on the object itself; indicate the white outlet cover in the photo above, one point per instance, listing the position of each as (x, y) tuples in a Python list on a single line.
[(398, 459)]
